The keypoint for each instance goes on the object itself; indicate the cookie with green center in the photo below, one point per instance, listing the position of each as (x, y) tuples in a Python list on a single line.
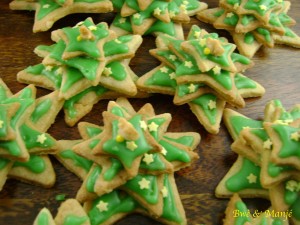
[(43, 217), (71, 212), (262, 23), (154, 17), (47, 12), (285, 198)]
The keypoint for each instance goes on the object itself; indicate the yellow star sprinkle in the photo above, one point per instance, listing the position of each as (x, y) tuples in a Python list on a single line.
[(157, 11), (217, 70), (136, 16), (295, 136), (268, 144), (131, 145), (229, 15), (292, 185), (207, 51), (122, 20), (172, 75), (172, 14), (41, 138), (49, 68), (1, 123), (143, 125), (188, 64), (164, 151), (164, 192), (119, 138), (148, 158), (263, 7), (92, 28), (144, 183), (212, 104), (102, 206), (46, 6), (192, 88), (79, 38), (235, 6), (152, 126), (107, 71), (252, 179), (202, 42), (164, 69), (172, 57), (197, 34)]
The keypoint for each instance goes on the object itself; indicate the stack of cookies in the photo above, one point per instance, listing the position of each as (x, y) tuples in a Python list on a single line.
[(203, 71), (253, 24), (268, 163), (87, 63), (24, 143), (128, 164)]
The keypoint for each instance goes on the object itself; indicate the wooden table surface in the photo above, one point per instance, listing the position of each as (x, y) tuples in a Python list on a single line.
[(277, 69)]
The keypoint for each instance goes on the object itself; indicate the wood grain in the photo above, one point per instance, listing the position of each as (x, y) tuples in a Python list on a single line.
[(278, 69)]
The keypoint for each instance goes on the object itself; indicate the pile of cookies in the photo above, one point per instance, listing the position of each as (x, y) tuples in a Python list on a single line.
[(128, 164), (87, 63), (24, 143), (253, 24), (202, 71), (268, 161)]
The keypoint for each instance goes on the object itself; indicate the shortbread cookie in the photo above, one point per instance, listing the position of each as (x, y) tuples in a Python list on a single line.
[(154, 17), (202, 71), (43, 217), (48, 12), (253, 24)]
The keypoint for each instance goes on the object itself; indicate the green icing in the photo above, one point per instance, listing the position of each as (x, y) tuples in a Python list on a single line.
[(3, 119), (70, 103), (93, 143), (89, 47), (174, 153), (117, 202), (115, 168), (203, 102), (224, 78), (3, 94), (183, 89), (30, 137), (117, 111), (239, 122), (275, 170), (289, 147), (184, 140), (93, 131), (170, 211), (77, 160), (162, 27), (40, 110), (43, 219), (3, 163), (247, 19), (119, 149), (123, 23), (35, 164), (159, 122), (239, 181), (163, 79), (52, 75), (46, 7), (292, 198), (12, 147), (254, 5), (157, 164), (92, 178), (265, 33), (240, 58), (72, 76), (243, 82), (219, 13), (118, 70), (75, 220), (232, 20), (249, 38), (151, 194), (289, 33), (117, 46)]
